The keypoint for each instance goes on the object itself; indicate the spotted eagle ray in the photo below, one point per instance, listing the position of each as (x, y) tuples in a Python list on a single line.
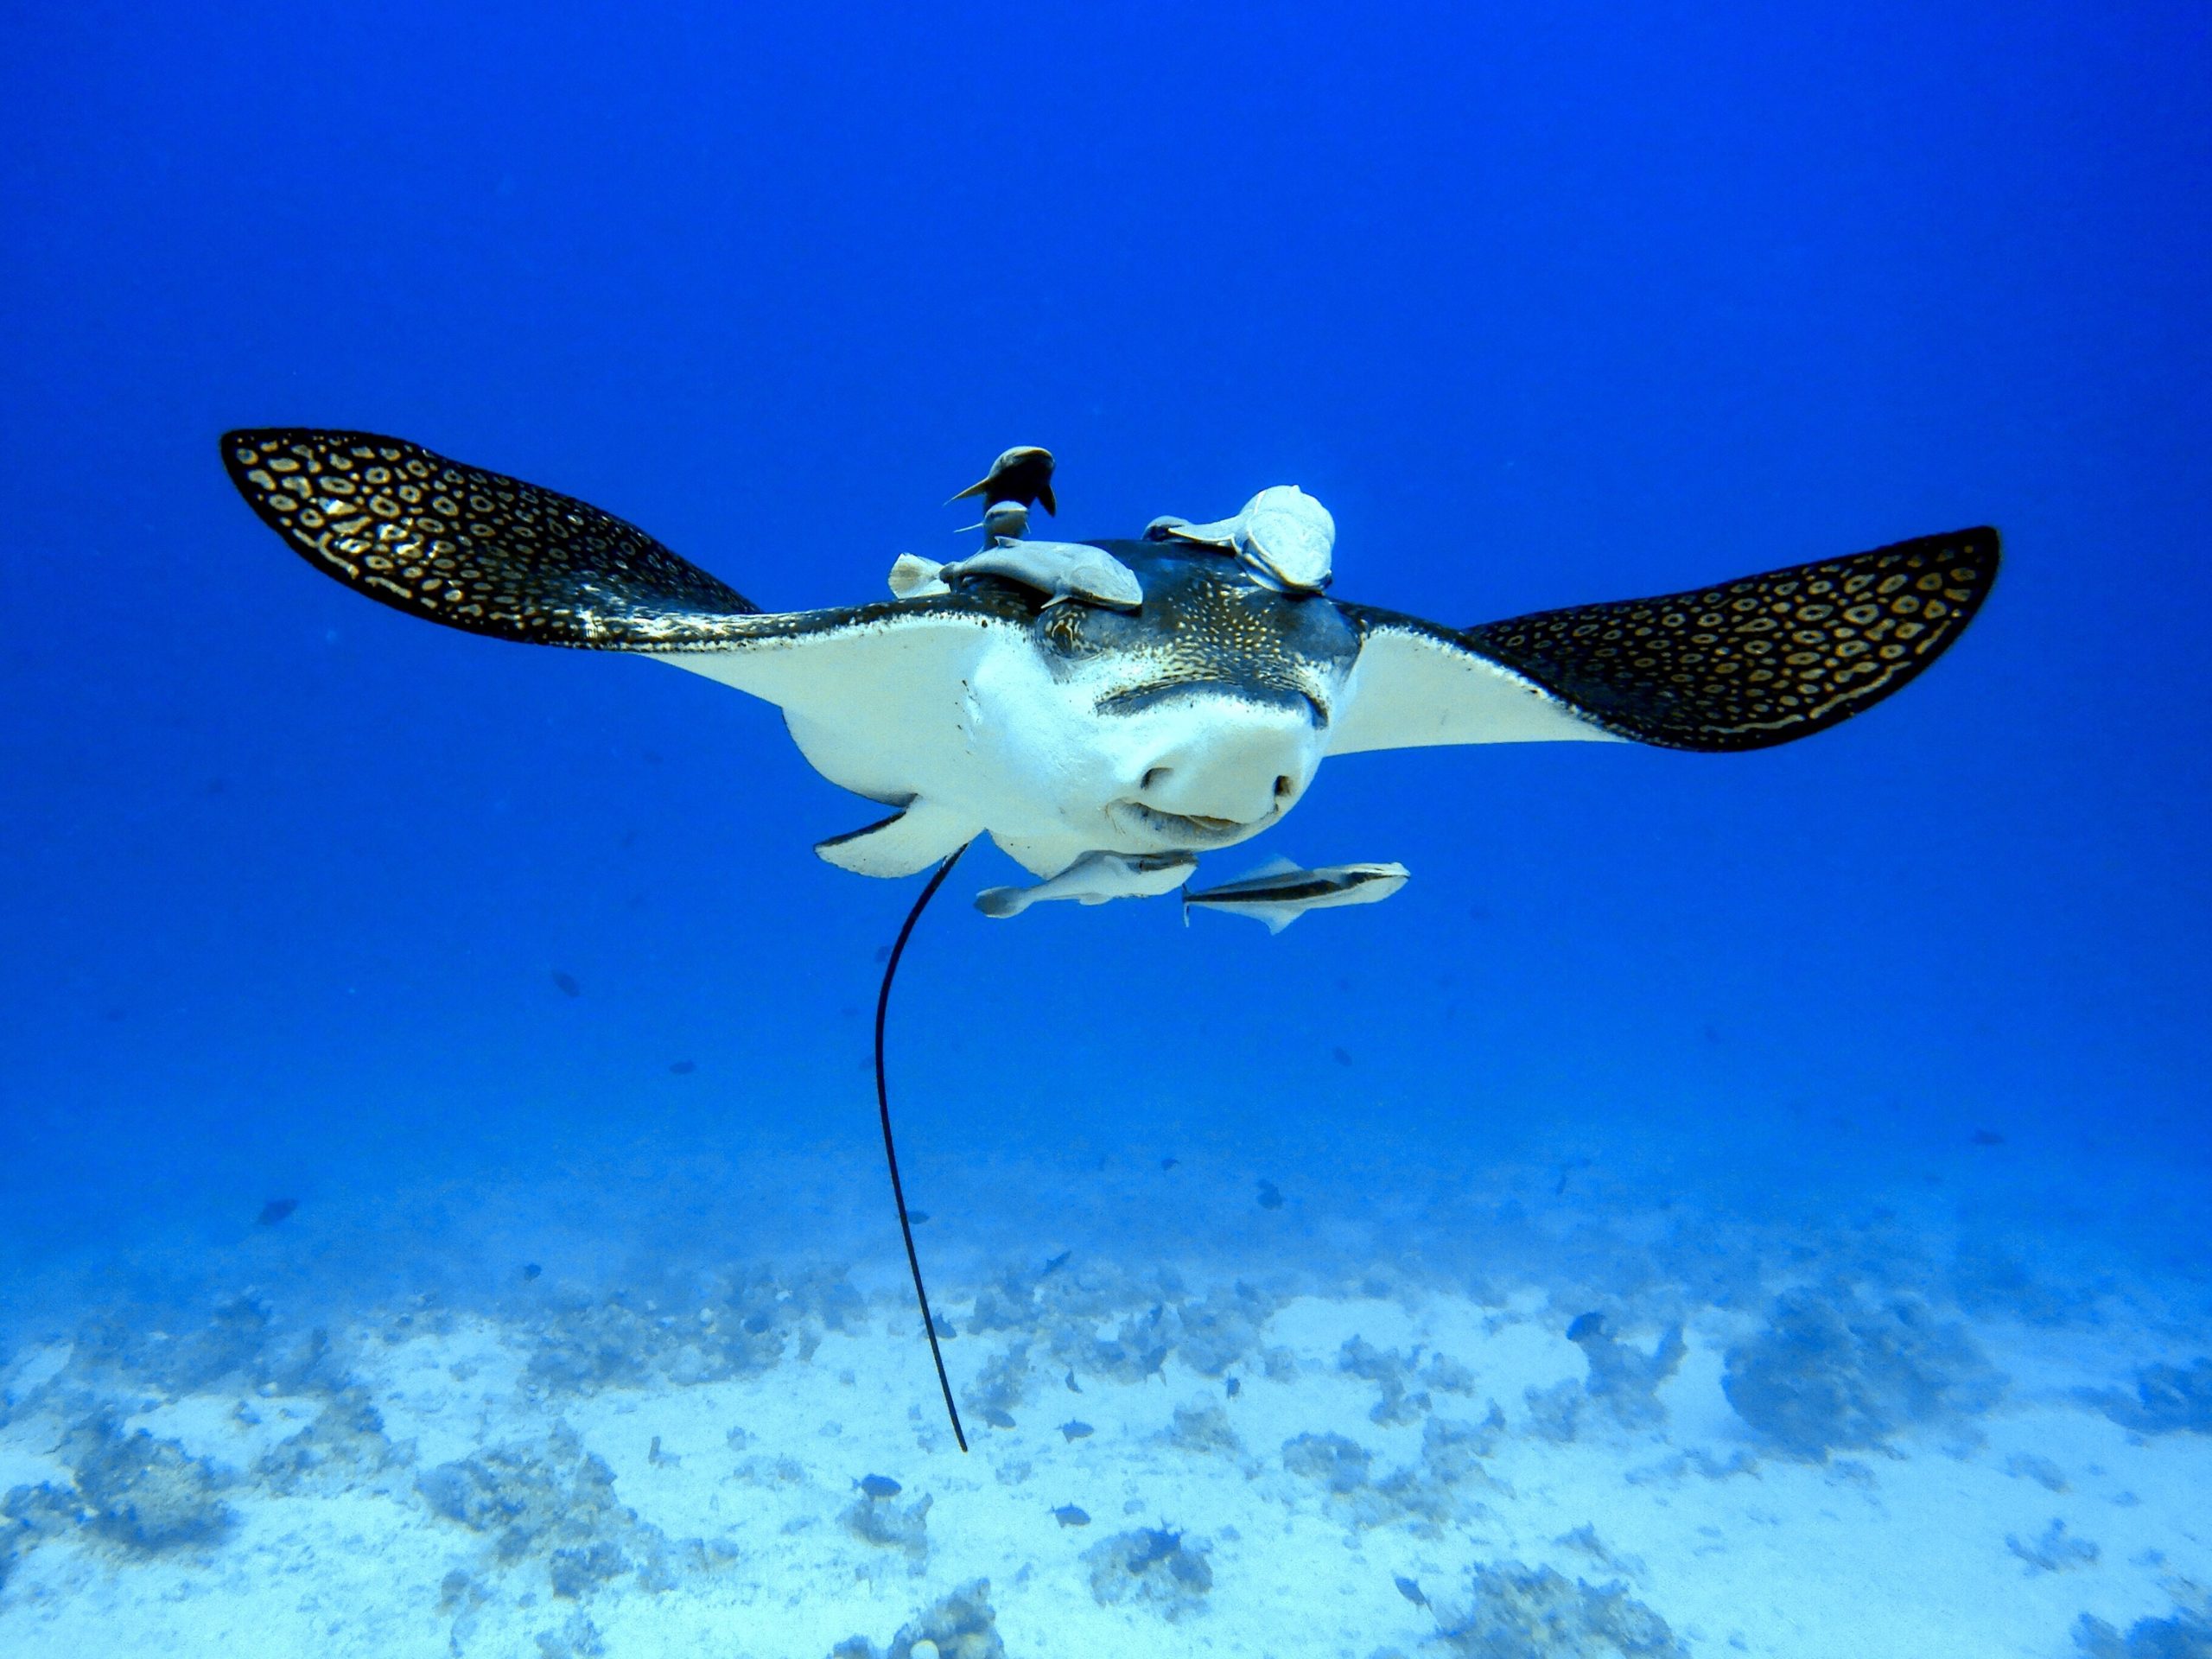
[(1191, 720)]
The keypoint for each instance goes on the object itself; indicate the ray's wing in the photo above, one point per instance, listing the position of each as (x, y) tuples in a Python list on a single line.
[(1741, 665), (1417, 684), (867, 689), (474, 549)]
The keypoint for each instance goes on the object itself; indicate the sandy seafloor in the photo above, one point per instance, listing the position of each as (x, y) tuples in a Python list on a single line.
[(1882, 1435)]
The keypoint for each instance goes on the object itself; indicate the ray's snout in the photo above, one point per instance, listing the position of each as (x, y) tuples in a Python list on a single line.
[(1240, 771)]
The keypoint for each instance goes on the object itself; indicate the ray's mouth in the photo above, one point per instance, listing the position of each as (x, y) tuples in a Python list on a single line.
[(1188, 829)]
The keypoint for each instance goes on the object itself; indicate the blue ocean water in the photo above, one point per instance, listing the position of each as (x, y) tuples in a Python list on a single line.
[(1553, 307)]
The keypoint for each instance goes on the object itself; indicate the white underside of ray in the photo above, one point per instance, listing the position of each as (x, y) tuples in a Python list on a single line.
[(958, 720), (876, 708), (1412, 690)]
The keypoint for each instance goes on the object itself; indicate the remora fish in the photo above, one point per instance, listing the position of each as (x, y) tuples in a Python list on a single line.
[(1060, 570), (1095, 877), (1279, 892)]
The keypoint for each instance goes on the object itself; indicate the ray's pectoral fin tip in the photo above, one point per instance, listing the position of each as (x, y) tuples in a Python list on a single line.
[(474, 550), (1759, 661)]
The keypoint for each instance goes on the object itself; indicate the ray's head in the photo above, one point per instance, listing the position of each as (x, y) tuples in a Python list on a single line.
[(1206, 709)]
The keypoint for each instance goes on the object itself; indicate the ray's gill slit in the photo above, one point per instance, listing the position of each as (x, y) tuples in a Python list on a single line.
[(890, 1153)]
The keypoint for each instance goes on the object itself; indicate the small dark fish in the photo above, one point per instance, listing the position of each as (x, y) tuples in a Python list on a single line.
[(1586, 1327), (1410, 1591), (883, 953), (1158, 1544), (1068, 1515), (996, 1418), (1023, 475), (1169, 1163), (917, 1217), (879, 1486), (1074, 1386), (1057, 1262), (1076, 1429), (1343, 1057), (530, 1270), (1269, 1198), (567, 983), (683, 1068), (276, 1210), (1988, 1138), (1233, 1387)]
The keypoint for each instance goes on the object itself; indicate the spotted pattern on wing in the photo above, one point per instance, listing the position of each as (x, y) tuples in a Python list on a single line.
[(474, 549), (1744, 664)]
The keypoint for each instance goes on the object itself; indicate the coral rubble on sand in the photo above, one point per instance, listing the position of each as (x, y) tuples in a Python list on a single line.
[(145, 1495), (1420, 1496), (1833, 1371), (2186, 1635), (962, 1626), (552, 1500), (1202, 1426), (2167, 1399), (1626, 1382), (1153, 1567), (449, 1479), (739, 1326), (345, 1442), (2053, 1550), (885, 1524), (1516, 1613)]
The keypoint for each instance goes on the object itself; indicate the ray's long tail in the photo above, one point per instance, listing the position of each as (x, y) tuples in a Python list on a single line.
[(891, 1153)]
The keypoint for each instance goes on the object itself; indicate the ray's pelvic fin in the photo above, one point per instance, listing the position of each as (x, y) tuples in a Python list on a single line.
[(908, 841)]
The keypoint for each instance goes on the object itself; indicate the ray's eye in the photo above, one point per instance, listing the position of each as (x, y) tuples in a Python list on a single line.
[(1064, 629)]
